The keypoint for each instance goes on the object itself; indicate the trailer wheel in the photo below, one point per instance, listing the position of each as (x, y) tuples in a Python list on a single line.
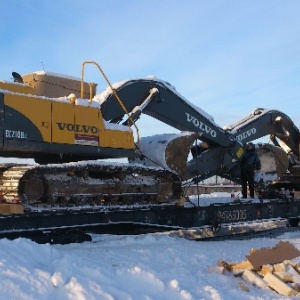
[(215, 225), (71, 236), (294, 222)]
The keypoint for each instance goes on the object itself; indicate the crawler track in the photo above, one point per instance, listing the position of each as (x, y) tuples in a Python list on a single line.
[(87, 184)]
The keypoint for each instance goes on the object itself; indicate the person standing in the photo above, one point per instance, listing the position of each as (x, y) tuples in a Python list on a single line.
[(250, 163)]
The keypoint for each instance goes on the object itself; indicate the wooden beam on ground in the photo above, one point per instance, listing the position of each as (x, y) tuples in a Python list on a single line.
[(279, 286)]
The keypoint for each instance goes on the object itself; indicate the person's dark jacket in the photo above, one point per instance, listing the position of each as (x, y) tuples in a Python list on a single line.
[(250, 160)]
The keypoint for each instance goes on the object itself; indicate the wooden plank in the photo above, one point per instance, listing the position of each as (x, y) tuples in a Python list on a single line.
[(253, 278), (280, 267), (284, 276), (294, 286), (224, 264), (279, 286), (241, 266), (266, 269), (289, 262), (294, 274), (11, 209)]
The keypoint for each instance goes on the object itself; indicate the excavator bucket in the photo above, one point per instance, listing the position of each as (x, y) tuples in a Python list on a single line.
[(169, 151), (274, 161)]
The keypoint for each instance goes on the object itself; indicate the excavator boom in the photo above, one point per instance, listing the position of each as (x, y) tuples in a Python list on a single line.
[(160, 100), (166, 105)]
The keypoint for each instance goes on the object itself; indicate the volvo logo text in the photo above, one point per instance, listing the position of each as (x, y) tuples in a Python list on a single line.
[(77, 128), (205, 128), (246, 134)]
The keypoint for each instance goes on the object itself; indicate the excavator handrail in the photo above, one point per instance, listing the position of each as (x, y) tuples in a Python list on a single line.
[(113, 90)]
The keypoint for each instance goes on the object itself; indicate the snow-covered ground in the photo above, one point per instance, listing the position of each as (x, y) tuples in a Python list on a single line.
[(151, 266)]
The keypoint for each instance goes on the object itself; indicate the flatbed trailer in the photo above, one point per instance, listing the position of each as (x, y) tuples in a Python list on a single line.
[(68, 225)]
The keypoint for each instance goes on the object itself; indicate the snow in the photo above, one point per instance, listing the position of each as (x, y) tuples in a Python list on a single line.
[(53, 74), (103, 163), (13, 83), (119, 127), (151, 266), (85, 102), (217, 197), (148, 266), (64, 99)]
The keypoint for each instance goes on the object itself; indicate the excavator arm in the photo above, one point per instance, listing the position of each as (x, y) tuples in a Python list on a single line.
[(262, 122), (278, 158)]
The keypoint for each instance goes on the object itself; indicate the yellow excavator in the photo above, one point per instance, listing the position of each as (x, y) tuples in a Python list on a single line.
[(39, 122)]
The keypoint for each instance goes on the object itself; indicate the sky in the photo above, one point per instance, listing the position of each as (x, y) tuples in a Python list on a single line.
[(226, 57)]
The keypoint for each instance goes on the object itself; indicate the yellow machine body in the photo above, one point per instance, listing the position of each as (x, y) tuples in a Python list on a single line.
[(16, 87), (37, 126)]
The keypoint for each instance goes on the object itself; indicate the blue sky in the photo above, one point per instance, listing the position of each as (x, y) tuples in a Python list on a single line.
[(227, 57)]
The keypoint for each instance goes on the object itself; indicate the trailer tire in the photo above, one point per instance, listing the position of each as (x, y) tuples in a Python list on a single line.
[(294, 222), (71, 236)]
